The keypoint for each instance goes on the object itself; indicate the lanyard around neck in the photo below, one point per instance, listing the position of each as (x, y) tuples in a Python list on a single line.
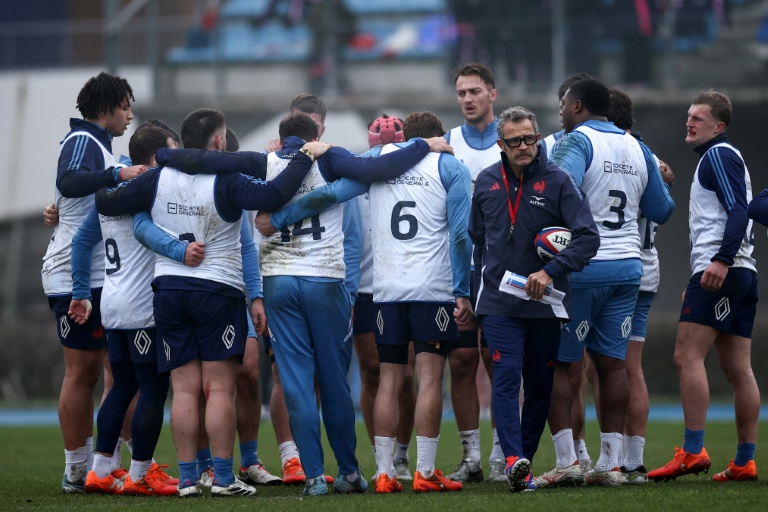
[(512, 210)]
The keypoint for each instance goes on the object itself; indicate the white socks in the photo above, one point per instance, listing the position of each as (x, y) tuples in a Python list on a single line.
[(129, 445), (634, 446), (426, 449), (610, 448), (401, 450), (497, 453), (581, 450), (102, 465), (117, 456), (385, 447), (76, 463), (89, 451), (470, 443), (288, 450), (564, 449), (139, 470)]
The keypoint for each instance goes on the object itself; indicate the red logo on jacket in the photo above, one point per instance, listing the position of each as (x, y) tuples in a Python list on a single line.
[(496, 356), (539, 186)]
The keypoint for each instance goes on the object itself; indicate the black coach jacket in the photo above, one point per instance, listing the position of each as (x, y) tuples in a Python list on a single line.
[(549, 198)]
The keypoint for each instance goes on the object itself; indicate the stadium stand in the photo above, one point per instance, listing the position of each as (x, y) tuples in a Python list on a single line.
[(385, 29)]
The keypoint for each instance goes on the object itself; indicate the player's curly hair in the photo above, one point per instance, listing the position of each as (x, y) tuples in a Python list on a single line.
[(101, 94)]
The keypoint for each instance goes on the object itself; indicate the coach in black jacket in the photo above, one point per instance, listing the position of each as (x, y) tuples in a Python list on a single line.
[(514, 200)]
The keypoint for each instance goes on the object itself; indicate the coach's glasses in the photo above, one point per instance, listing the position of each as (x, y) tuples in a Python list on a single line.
[(514, 142)]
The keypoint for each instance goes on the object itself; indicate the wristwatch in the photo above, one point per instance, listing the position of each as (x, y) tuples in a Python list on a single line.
[(308, 153)]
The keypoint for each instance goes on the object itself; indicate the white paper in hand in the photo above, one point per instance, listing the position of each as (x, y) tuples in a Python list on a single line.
[(514, 284)]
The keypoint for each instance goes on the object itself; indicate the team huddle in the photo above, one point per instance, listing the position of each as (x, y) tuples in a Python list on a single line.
[(420, 251)]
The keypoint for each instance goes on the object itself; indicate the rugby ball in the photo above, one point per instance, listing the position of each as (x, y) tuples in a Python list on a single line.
[(550, 241)]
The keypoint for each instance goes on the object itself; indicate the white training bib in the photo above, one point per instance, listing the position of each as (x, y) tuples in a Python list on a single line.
[(311, 247), (614, 183), (706, 223), (409, 230), (126, 301), (57, 262), (185, 208), (475, 159)]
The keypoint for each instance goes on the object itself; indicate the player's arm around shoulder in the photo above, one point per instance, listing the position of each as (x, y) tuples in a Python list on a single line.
[(383, 166), (203, 161), (248, 193), (129, 197), (314, 203)]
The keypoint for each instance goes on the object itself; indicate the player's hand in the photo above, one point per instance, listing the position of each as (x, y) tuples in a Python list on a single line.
[(666, 173), (128, 173), (712, 278), (317, 148), (263, 223), (273, 145), (438, 145), (683, 297), (50, 215), (194, 254), (80, 311), (536, 284), (463, 312), (259, 316)]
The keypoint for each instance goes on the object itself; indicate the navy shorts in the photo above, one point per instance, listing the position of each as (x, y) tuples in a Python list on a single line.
[(730, 309), (137, 346), (89, 336), (402, 322), (198, 325), (365, 314), (640, 318)]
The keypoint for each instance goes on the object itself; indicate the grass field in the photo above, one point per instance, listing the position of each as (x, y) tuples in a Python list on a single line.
[(34, 461)]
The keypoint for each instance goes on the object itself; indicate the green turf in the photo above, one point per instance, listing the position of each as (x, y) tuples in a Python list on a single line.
[(33, 465)]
